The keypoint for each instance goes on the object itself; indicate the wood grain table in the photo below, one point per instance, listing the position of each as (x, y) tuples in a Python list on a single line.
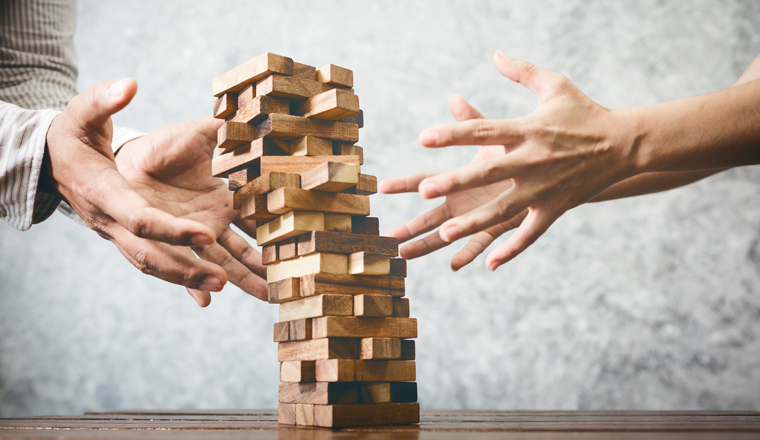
[(262, 424)]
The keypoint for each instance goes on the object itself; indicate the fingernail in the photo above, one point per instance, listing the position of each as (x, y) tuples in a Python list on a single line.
[(212, 283), (502, 55), (449, 233), (429, 190), (118, 88), (428, 138), (201, 240)]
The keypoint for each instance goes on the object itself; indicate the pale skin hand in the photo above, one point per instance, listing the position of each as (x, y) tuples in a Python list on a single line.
[(171, 168), (571, 149)]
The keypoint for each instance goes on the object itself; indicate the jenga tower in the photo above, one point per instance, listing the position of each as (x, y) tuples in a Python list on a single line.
[(288, 149)]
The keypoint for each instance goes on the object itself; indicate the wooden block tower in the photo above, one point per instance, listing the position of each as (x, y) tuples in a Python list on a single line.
[(288, 148)]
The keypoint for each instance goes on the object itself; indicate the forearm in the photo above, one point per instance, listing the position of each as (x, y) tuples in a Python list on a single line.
[(649, 183)]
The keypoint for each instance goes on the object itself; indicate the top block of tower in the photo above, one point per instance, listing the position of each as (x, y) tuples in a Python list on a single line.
[(251, 71)]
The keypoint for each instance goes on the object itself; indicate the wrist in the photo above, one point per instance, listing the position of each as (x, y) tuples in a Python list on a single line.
[(632, 140)]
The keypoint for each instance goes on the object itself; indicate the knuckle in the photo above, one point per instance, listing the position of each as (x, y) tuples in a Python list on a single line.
[(483, 130), (491, 171), (143, 262), (137, 225)]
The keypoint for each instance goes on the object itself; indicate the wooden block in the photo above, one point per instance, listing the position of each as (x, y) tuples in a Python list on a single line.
[(297, 371), (238, 179), (290, 87), (288, 248), (291, 199), (340, 243), (289, 127), (384, 371), (363, 327), (245, 156), (366, 186), (332, 74), (335, 370), (330, 176), (259, 107), (319, 392), (317, 305), (319, 287), (264, 184), (299, 164), (286, 413), (250, 71), (289, 225), (246, 95), (254, 207), (342, 416), (304, 414), (284, 290), (319, 262), (398, 267), (366, 226), (365, 263), (225, 106), (373, 305), (338, 223), (357, 119), (310, 146), (232, 135), (304, 71), (309, 283), (281, 332), (300, 329), (380, 348), (269, 254), (318, 349), (387, 392), (335, 104), (408, 349), (343, 149), (401, 307)]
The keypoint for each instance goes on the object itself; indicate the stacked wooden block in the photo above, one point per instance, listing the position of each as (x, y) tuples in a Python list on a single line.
[(288, 149)]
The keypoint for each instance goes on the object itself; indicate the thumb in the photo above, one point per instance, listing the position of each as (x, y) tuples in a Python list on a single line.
[(543, 82), (91, 110)]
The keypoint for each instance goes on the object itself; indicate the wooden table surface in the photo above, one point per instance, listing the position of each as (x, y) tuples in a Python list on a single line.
[(262, 424)]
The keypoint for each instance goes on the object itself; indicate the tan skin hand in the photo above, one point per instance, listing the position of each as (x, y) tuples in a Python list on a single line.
[(171, 168)]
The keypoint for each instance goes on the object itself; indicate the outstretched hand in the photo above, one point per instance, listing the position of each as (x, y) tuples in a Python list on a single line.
[(171, 168), (530, 171)]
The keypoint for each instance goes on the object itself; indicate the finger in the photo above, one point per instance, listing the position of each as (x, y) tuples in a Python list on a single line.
[(427, 245), (543, 82), (480, 241), (92, 109), (176, 265), (421, 224), (207, 128), (239, 248), (503, 208), (247, 226), (403, 184), (535, 224), (475, 174), (462, 110), (475, 132), (238, 274), (202, 297)]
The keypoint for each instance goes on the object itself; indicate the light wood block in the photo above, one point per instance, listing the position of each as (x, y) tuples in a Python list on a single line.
[(335, 104), (318, 349), (289, 225), (318, 305), (304, 71), (244, 156), (338, 223), (284, 290), (288, 249), (250, 71), (365, 263), (339, 370), (387, 392), (401, 307), (269, 254), (318, 287), (290, 87), (388, 284), (330, 176), (357, 119), (289, 127), (225, 105), (299, 164), (319, 392), (344, 149), (380, 348), (398, 267), (259, 107), (286, 413), (264, 184), (365, 226), (373, 305), (281, 332), (304, 414), (246, 95), (254, 207), (408, 351), (366, 186), (332, 74), (342, 416), (335, 370), (232, 135), (363, 327), (341, 243), (283, 200), (299, 330), (309, 264), (310, 146), (298, 371)]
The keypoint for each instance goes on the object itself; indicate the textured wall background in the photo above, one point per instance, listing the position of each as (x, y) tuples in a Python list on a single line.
[(648, 303)]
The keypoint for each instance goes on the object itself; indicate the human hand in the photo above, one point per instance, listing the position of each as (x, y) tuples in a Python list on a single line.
[(456, 204), (171, 169), (563, 154)]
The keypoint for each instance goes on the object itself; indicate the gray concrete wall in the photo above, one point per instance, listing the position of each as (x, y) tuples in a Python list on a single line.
[(648, 303)]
